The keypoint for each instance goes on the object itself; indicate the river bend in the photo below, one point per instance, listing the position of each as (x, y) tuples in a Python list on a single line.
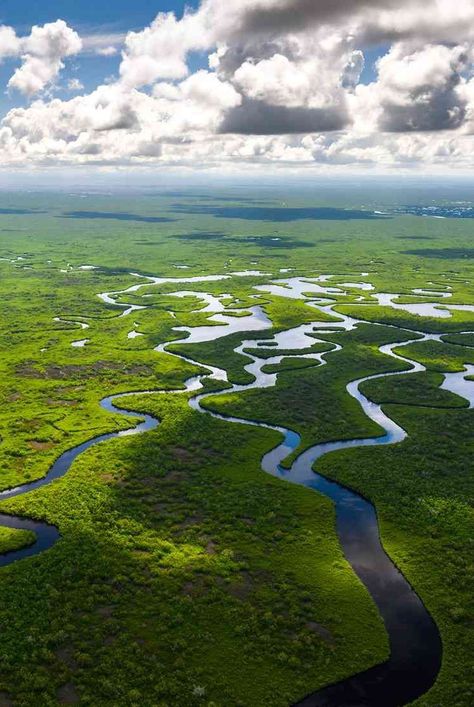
[(415, 644)]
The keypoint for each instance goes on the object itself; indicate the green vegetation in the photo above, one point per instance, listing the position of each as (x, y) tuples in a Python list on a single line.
[(11, 539), (439, 356), (290, 364), (185, 575), (262, 352), (286, 314), (460, 339), (420, 389), (399, 318)]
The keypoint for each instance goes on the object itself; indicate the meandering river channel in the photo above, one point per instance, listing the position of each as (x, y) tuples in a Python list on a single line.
[(415, 644)]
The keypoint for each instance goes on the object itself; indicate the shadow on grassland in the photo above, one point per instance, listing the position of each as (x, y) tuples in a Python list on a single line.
[(118, 216), (442, 253), (269, 213), (263, 241)]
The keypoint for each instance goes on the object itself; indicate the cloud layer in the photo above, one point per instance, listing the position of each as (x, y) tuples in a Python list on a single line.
[(283, 86)]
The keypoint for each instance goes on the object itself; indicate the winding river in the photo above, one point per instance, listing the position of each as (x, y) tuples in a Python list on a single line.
[(415, 644)]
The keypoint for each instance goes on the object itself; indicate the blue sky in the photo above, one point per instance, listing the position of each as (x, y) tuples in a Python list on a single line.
[(88, 17), (117, 14)]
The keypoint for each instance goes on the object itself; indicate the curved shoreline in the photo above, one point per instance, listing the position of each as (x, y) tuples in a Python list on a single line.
[(415, 643)]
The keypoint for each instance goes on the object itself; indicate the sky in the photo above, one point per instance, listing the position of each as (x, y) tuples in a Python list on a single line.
[(294, 86)]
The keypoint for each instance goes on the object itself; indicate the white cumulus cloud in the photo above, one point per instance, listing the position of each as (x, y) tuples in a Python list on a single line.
[(42, 54), (9, 43)]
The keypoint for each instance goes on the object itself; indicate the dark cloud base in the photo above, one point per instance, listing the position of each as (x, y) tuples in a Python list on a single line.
[(259, 118), (297, 15), (443, 112)]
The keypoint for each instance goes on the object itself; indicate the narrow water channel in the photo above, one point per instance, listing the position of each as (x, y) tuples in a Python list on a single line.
[(415, 645)]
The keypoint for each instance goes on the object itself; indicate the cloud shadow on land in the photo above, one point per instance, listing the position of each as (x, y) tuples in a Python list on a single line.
[(442, 253), (259, 241), (281, 214), (118, 216), (21, 212)]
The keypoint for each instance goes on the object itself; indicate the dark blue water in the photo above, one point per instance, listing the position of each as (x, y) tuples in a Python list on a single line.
[(415, 643)]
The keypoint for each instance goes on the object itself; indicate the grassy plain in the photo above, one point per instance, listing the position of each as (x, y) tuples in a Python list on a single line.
[(184, 575)]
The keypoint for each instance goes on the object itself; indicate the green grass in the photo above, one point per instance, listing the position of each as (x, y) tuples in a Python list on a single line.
[(385, 315), (420, 389), (290, 364), (181, 565), (11, 539), (263, 352), (439, 356), (460, 339)]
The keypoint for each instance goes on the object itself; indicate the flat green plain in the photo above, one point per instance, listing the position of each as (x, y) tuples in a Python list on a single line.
[(184, 575)]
